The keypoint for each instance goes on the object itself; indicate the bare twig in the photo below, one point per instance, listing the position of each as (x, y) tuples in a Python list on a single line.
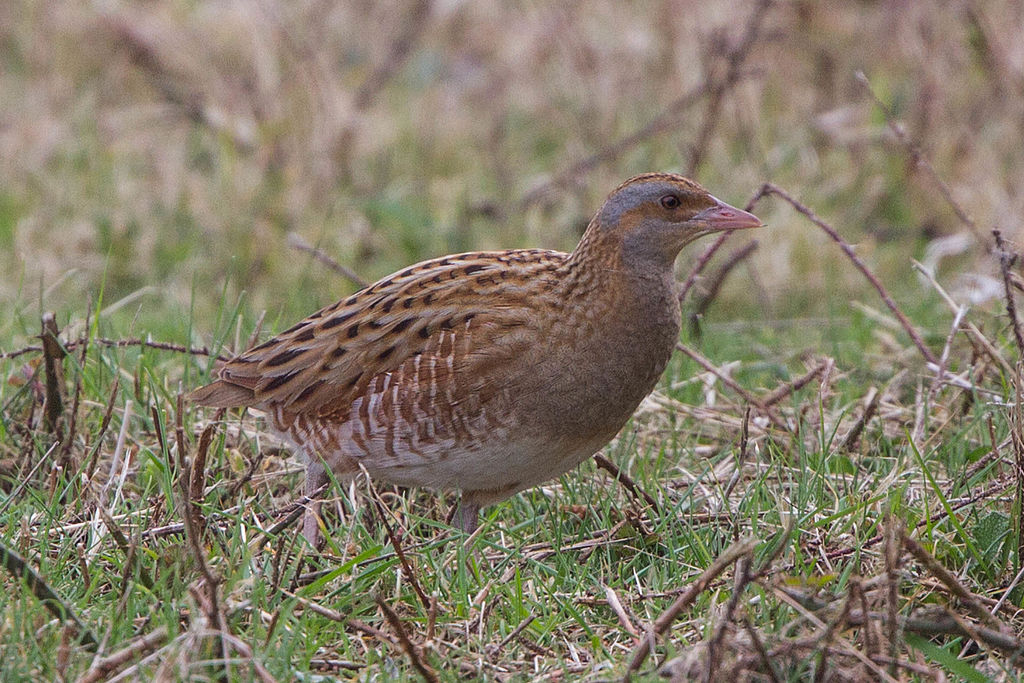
[(795, 385), (870, 402), (125, 546), (93, 457), (295, 241), (892, 560), (194, 523), (922, 623), (732, 384), (837, 622), (624, 479), (770, 188), (197, 474), (620, 611), (256, 330), (725, 379), (740, 460), (735, 60), (102, 668), (399, 550), (513, 635), (940, 372), (664, 621), (26, 479), (762, 652), (399, 50), (700, 264), (1006, 261), (17, 566), (411, 650), (670, 117), (297, 508), (741, 577), (716, 281), (118, 343), (918, 157), (951, 582), (984, 494), (53, 359), (183, 93), (76, 400), (1017, 439), (973, 332)]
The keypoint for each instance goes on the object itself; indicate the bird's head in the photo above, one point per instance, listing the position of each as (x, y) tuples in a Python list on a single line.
[(653, 216)]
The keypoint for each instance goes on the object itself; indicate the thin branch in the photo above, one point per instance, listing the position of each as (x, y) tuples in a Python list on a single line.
[(665, 620), (740, 460), (53, 362), (1006, 261), (93, 459), (870, 402), (620, 612), (918, 157), (57, 606), (795, 385), (626, 481), (770, 188), (411, 650), (735, 58), (951, 582), (399, 550), (725, 379), (295, 241), (102, 668), (119, 343), (670, 117), (701, 262), (762, 652), (399, 50), (718, 279), (513, 635), (922, 623), (732, 384)]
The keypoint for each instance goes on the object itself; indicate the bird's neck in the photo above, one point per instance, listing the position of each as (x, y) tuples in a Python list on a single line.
[(616, 327), (598, 269), (612, 302)]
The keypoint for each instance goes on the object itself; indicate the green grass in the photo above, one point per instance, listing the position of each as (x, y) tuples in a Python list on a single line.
[(550, 555)]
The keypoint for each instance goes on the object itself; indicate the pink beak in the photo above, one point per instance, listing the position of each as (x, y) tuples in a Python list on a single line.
[(725, 217)]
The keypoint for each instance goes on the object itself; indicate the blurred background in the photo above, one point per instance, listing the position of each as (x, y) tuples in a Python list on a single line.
[(165, 154)]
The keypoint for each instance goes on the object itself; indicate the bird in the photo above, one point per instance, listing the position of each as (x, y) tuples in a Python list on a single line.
[(486, 373)]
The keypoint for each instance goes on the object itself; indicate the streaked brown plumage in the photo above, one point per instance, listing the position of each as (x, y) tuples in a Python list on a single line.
[(485, 372)]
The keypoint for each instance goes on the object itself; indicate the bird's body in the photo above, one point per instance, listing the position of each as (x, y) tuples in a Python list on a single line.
[(484, 372)]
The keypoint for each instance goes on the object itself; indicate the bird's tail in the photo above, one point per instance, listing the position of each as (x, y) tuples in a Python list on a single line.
[(221, 394)]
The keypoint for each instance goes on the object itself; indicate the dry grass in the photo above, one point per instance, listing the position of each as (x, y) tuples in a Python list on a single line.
[(844, 437)]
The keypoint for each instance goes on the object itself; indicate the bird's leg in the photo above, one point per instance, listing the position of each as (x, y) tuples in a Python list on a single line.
[(467, 516), (316, 476)]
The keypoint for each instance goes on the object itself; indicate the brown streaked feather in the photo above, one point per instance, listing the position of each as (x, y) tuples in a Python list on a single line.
[(322, 363), (222, 394)]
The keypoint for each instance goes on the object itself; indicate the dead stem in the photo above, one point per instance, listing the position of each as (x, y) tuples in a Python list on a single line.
[(295, 241), (918, 157), (716, 281), (56, 605), (1006, 261), (411, 650), (770, 188), (665, 619), (625, 480)]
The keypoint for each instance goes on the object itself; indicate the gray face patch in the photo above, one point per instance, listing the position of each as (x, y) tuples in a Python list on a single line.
[(642, 190)]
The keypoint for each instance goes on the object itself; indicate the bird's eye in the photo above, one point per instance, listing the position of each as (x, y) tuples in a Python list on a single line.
[(670, 201)]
